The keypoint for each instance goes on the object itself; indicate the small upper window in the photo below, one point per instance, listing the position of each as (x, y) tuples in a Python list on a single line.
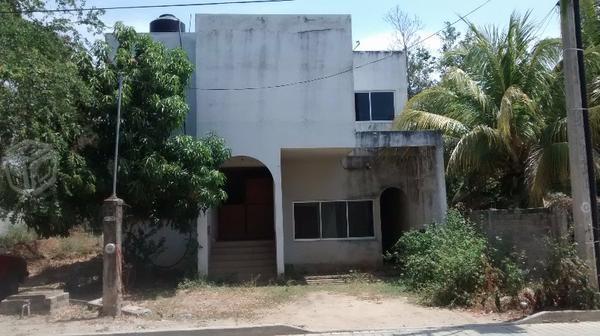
[(374, 106)]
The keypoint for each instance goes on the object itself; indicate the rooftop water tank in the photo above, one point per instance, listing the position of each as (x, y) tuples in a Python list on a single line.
[(167, 23)]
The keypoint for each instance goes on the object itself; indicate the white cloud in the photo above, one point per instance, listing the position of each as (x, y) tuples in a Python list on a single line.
[(379, 41), (385, 40), (433, 43)]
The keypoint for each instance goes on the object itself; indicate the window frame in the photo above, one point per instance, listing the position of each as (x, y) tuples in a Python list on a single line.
[(393, 92), (348, 238)]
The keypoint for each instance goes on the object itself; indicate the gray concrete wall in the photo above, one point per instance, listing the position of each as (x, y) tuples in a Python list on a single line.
[(320, 176), (523, 230)]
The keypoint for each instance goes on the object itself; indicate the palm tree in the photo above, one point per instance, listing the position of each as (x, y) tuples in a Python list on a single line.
[(501, 113)]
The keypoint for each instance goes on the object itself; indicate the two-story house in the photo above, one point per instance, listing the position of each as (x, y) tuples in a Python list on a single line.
[(317, 180)]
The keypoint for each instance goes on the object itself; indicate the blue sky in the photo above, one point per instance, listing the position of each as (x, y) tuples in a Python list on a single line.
[(367, 15)]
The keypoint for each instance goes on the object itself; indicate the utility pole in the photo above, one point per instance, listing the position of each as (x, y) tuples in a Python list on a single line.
[(112, 220), (583, 184)]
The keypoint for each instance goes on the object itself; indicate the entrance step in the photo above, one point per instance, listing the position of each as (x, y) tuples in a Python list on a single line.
[(326, 279), (245, 243), (243, 261)]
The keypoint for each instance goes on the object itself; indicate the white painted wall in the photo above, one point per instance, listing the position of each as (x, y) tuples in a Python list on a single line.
[(239, 51), (381, 71)]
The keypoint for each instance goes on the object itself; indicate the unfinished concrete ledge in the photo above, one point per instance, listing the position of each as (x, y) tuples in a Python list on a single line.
[(15, 307), (561, 316), (40, 302)]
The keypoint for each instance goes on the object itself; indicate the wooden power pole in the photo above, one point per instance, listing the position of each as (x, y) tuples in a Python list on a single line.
[(580, 161)]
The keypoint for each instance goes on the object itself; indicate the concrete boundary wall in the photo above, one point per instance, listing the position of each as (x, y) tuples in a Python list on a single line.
[(523, 230)]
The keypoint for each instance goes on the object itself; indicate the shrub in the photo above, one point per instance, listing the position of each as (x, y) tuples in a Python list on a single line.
[(453, 264), (566, 283), (445, 263), (78, 243)]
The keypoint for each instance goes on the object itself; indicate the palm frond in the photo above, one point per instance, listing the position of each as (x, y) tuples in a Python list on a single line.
[(518, 119), (481, 59), (514, 48), (481, 150), (594, 89), (590, 22), (591, 57), (435, 99), (555, 131), (445, 101), (538, 73), (421, 120), (547, 169), (462, 84), (594, 117)]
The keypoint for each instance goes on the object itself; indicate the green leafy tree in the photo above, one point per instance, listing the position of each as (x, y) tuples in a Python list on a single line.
[(163, 177), (504, 127), (54, 90), (41, 95), (450, 51), (421, 70)]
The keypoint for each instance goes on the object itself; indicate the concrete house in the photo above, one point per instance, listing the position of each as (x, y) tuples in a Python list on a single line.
[(317, 181)]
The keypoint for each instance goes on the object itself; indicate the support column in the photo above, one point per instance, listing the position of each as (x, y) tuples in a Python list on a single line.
[(440, 176), (112, 219), (279, 238), (581, 172), (203, 242)]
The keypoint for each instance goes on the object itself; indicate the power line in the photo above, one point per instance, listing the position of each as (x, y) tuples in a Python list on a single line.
[(460, 18), (291, 83), (546, 20), (392, 53), (87, 9)]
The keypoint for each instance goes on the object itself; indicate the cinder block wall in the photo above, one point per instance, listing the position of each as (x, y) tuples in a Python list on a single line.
[(523, 230)]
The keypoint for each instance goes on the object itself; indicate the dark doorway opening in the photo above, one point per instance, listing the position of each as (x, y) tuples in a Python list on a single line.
[(248, 212), (393, 217)]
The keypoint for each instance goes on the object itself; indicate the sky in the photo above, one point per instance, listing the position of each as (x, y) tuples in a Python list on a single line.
[(368, 25)]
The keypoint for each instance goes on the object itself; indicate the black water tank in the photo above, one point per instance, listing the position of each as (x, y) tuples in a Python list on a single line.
[(167, 23)]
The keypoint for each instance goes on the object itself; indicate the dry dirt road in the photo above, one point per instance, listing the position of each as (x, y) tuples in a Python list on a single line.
[(314, 311)]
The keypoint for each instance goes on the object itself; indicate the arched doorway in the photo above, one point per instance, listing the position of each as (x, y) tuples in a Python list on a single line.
[(247, 214), (394, 217), (244, 237)]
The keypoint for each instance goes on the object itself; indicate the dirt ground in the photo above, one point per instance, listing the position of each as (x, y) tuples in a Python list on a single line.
[(361, 303), (315, 308)]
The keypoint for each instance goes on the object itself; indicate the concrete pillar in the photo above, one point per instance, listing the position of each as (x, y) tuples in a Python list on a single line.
[(278, 207), (112, 289), (203, 242), (440, 174)]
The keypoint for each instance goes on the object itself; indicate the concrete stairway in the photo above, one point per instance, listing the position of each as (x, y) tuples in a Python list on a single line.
[(243, 261)]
